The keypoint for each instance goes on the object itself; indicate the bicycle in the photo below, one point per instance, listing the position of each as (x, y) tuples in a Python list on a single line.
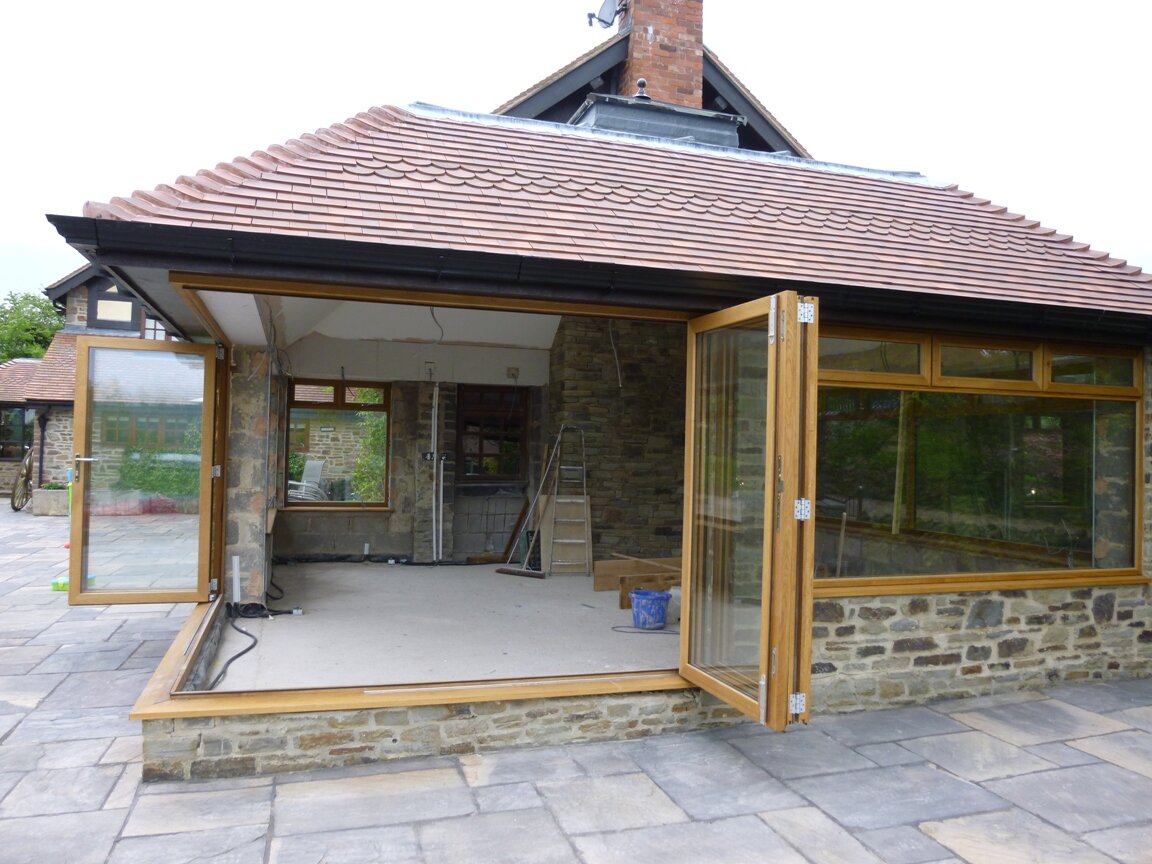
[(22, 486)]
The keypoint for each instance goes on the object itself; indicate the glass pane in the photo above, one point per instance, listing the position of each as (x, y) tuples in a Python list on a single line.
[(361, 395), (1090, 369), (869, 355), (999, 363), (337, 455), (143, 492), (922, 483), (731, 429), (321, 393)]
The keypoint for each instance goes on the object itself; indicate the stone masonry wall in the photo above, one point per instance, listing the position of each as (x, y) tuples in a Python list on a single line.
[(633, 427), (240, 746), (58, 452), (882, 651)]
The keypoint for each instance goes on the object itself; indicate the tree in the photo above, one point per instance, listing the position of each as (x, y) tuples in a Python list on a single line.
[(27, 324)]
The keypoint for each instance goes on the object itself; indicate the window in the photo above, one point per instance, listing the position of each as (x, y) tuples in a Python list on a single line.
[(492, 433), (964, 476), (169, 431), (15, 432), (111, 306), (338, 443)]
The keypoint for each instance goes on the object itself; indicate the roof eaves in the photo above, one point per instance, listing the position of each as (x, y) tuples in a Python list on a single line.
[(74, 279)]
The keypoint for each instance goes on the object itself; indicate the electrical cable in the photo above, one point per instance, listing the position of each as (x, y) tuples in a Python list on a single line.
[(272, 585), (229, 607)]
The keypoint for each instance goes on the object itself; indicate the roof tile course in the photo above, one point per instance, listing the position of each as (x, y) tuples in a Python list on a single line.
[(55, 378), (14, 377), (437, 179)]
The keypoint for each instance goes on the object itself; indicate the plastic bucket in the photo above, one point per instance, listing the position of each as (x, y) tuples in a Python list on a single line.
[(649, 609)]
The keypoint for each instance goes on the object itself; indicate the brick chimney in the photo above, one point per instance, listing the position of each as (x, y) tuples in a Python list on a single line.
[(666, 48)]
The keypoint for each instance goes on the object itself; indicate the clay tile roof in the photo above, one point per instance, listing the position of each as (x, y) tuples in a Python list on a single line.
[(55, 377), (437, 179), (14, 377)]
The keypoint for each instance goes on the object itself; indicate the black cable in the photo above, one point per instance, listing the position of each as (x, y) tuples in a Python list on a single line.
[(257, 610), (230, 610), (272, 585)]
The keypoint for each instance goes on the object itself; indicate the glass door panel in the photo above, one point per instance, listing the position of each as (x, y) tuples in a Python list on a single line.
[(143, 429), (749, 480)]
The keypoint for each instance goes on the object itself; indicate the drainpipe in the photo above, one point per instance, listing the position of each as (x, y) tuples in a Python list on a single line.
[(435, 471), (42, 422)]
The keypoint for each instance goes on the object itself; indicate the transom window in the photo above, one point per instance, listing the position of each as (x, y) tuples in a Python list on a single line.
[(491, 438), (1003, 458), (338, 443)]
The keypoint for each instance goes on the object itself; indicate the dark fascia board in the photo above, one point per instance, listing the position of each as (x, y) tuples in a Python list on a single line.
[(58, 290), (557, 91), (125, 247), (741, 105)]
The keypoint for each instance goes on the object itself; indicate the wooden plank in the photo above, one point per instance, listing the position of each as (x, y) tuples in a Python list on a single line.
[(606, 574)]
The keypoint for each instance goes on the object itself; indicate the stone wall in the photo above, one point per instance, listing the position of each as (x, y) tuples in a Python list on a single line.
[(878, 652), (630, 404), (240, 746)]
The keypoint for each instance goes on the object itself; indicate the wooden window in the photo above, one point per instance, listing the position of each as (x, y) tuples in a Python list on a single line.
[(492, 433), (339, 440), (1014, 462), (15, 432), (111, 306)]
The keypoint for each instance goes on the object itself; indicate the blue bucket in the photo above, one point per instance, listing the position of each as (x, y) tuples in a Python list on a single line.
[(649, 609)]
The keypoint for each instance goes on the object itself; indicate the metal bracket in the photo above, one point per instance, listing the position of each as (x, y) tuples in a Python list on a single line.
[(802, 509), (217, 471), (806, 312), (797, 703)]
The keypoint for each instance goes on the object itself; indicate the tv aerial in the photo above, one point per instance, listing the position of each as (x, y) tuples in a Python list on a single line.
[(610, 10)]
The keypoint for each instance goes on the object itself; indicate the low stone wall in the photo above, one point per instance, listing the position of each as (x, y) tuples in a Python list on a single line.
[(240, 746), (878, 652)]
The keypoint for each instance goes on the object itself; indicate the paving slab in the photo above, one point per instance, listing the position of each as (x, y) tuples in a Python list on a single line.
[(114, 688), (1039, 722), (1131, 750), (1103, 698), (513, 766), (903, 845), (976, 756), (511, 796), (244, 845), (1084, 798), (875, 727), (176, 812), (790, 755), (75, 838), (900, 795), (518, 837), (394, 844), (63, 790), (821, 840), (1010, 835), (596, 804), (72, 725), (1128, 845), (739, 840), (709, 778), (362, 802)]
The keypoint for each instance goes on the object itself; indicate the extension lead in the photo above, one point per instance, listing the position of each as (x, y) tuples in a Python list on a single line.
[(257, 610)]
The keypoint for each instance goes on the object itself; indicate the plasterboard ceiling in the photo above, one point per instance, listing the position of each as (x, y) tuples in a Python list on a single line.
[(298, 317)]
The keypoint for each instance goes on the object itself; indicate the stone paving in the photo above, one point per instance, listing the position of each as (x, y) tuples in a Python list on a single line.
[(1059, 776)]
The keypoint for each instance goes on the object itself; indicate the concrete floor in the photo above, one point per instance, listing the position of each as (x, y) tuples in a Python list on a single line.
[(379, 624)]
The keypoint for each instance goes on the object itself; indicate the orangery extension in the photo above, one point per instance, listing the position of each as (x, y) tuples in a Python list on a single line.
[(448, 385)]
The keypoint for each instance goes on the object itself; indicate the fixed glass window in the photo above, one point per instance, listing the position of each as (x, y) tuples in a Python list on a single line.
[(491, 438), (338, 442), (931, 483), (110, 305), (15, 432)]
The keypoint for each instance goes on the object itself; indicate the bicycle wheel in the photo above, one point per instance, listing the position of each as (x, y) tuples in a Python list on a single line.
[(22, 488)]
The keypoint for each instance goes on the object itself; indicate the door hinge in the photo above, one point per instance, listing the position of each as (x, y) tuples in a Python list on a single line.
[(797, 703), (805, 312), (772, 321), (217, 471), (213, 585), (763, 698), (802, 509), (219, 352)]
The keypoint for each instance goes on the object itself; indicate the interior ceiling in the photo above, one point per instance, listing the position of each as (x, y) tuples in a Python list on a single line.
[(246, 320)]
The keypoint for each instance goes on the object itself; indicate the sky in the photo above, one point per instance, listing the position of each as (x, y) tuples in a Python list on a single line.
[(1039, 106)]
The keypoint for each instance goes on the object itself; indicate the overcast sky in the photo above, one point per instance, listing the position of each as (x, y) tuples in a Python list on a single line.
[(1040, 106)]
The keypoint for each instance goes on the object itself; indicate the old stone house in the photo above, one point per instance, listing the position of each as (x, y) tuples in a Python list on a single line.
[(893, 432)]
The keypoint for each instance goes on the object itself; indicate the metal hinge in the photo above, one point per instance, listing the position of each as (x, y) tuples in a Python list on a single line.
[(763, 699), (213, 585), (802, 509), (797, 703), (217, 471), (772, 321), (219, 352), (805, 312)]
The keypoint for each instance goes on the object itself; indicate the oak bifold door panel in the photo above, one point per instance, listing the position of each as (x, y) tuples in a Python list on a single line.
[(749, 486), (142, 474)]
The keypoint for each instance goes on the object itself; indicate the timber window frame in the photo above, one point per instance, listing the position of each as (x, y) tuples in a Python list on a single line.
[(16, 427), (491, 434), (1026, 377), (319, 418)]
